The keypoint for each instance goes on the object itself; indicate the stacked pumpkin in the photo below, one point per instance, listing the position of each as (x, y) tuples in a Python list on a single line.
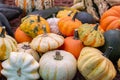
[(55, 48)]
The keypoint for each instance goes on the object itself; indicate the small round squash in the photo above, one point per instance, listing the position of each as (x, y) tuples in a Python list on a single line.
[(94, 66), (57, 65), (20, 66)]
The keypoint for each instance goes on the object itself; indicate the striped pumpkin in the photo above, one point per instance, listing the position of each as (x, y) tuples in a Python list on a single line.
[(29, 5), (90, 35), (47, 41), (20, 66), (7, 45)]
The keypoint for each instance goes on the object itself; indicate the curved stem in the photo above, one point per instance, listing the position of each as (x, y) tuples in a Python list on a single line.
[(96, 26), (74, 16), (76, 35), (38, 17), (3, 32), (70, 13)]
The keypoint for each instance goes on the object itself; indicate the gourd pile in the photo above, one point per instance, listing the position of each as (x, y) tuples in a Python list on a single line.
[(58, 42)]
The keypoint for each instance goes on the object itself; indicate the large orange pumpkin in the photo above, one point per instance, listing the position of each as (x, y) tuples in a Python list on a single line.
[(73, 44), (20, 36), (68, 24), (110, 19)]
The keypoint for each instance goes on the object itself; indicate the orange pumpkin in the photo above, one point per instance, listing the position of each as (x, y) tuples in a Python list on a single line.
[(73, 44), (20, 36), (110, 19), (68, 24)]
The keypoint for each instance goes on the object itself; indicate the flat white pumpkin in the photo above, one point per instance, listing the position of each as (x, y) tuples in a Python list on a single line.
[(20, 66), (57, 65), (46, 42)]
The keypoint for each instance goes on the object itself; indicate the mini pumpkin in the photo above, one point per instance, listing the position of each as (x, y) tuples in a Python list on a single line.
[(7, 45), (53, 22), (68, 24), (20, 66), (21, 36), (73, 44), (57, 65), (47, 41), (90, 35), (32, 25), (25, 47), (110, 19), (93, 65)]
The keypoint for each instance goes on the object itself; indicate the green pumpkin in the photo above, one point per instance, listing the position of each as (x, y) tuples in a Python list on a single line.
[(112, 39)]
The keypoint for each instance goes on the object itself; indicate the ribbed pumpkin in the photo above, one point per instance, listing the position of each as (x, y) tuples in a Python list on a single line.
[(68, 24), (57, 65), (20, 66), (25, 47), (90, 35), (32, 25), (20, 36), (110, 19), (47, 41), (7, 45), (73, 44), (30, 5), (94, 66)]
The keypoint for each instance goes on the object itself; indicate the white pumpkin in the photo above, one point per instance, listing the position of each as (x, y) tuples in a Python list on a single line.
[(25, 47), (57, 65), (20, 66), (53, 22), (46, 42)]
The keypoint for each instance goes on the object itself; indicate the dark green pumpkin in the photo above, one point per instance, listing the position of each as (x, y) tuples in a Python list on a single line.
[(112, 38)]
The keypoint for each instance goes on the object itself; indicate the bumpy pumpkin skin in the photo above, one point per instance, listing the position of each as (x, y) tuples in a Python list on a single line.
[(32, 25), (62, 69), (89, 36), (45, 42), (20, 66), (93, 65), (25, 47), (20, 36), (67, 25)]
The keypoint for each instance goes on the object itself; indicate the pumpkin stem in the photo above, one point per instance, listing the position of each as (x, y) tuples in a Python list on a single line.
[(19, 72), (96, 26), (108, 51), (3, 32), (58, 56), (70, 13), (26, 47), (44, 29), (76, 35), (53, 15), (74, 16), (38, 17)]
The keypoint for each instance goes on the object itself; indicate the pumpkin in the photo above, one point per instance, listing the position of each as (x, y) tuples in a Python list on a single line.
[(85, 17), (53, 22), (110, 19), (25, 47), (7, 45), (90, 35), (118, 64), (57, 65), (112, 39), (65, 12), (68, 24), (20, 66), (93, 65), (47, 41), (29, 5), (32, 25), (73, 44), (20, 36), (0, 69)]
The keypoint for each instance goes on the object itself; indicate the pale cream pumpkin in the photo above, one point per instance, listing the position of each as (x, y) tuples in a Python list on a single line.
[(57, 65), (94, 66), (47, 41), (7, 45), (25, 47), (20, 66)]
